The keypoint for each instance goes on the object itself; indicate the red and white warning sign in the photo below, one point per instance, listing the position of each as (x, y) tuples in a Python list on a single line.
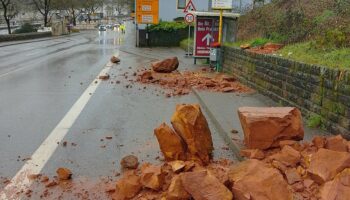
[(189, 7), (189, 18)]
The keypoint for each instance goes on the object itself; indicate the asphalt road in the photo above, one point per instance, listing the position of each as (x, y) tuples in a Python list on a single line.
[(49, 95)]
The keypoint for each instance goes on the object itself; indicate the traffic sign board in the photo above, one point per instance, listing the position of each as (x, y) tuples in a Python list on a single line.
[(222, 4), (189, 18), (189, 7), (207, 32), (147, 11)]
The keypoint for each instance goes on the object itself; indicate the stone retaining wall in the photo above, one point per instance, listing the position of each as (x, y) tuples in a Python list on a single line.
[(315, 90)]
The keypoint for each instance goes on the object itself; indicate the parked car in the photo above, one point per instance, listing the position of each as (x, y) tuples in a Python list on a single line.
[(102, 28)]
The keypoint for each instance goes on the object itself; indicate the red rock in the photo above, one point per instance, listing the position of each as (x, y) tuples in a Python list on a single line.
[(166, 66), (152, 176), (253, 153), (191, 125), (127, 187), (176, 191), (266, 127), (292, 176), (64, 173), (253, 179), (288, 156), (298, 187), (308, 182), (129, 162), (204, 186), (273, 46), (170, 143), (245, 46), (51, 184), (326, 164), (336, 143), (278, 165), (115, 59), (319, 142), (337, 189)]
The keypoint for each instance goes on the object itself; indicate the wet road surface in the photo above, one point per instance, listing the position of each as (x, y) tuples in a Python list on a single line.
[(44, 83)]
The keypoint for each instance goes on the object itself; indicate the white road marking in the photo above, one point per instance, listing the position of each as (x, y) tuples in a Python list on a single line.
[(21, 182)]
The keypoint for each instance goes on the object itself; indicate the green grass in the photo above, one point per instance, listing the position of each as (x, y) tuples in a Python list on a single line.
[(335, 58), (253, 42), (183, 44)]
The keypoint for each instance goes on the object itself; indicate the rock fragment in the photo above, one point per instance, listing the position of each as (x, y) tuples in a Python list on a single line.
[(202, 185), (337, 189), (152, 176), (104, 77), (266, 127), (114, 59), (288, 156), (166, 66), (177, 165), (127, 187), (190, 123), (336, 143), (170, 143), (250, 183), (326, 164), (253, 153), (129, 162), (176, 191), (64, 173)]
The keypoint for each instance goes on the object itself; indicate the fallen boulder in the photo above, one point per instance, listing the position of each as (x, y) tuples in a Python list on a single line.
[(127, 187), (64, 173), (252, 153), (326, 164), (288, 156), (170, 143), (166, 66), (204, 186), (266, 127), (152, 176), (253, 179), (190, 123), (129, 162), (104, 77)]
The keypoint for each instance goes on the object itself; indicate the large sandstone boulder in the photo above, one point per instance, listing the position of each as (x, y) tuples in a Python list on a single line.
[(326, 164), (266, 127), (337, 189), (190, 123), (166, 66), (254, 179), (170, 143), (127, 187), (204, 186)]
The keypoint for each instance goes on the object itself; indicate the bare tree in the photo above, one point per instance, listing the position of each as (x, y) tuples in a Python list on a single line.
[(44, 7), (90, 7), (10, 10)]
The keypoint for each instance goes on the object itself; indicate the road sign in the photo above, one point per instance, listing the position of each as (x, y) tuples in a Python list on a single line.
[(147, 11), (207, 31), (189, 18), (221, 4), (189, 7)]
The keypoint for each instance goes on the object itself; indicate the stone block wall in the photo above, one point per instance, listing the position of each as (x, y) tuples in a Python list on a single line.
[(315, 90)]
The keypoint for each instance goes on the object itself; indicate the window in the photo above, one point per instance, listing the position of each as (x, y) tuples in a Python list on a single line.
[(181, 4)]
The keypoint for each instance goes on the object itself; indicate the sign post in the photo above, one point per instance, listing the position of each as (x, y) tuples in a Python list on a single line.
[(220, 5), (189, 18)]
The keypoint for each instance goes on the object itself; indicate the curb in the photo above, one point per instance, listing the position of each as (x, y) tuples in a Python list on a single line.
[(231, 144)]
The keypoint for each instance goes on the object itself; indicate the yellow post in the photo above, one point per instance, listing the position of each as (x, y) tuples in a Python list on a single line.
[(220, 26)]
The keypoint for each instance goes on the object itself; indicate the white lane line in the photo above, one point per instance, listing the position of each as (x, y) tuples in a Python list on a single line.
[(20, 181)]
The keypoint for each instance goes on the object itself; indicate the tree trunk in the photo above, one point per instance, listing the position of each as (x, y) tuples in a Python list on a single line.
[(45, 19), (8, 25)]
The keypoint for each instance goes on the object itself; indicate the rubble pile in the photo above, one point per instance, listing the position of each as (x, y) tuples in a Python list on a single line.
[(181, 83), (268, 48), (281, 167)]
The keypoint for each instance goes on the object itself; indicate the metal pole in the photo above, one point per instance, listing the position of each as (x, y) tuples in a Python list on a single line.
[(220, 26), (188, 41)]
